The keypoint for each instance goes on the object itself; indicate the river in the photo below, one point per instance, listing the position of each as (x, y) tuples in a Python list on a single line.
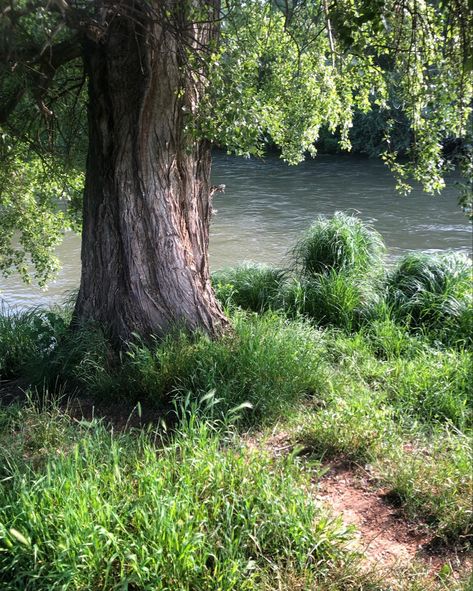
[(267, 204)]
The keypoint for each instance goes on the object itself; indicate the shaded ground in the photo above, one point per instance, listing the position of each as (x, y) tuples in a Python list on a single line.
[(119, 414)]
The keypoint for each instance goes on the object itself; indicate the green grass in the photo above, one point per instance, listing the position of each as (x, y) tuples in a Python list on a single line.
[(376, 370), (120, 512), (341, 243), (26, 336), (251, 286), (431, 477), (333, 299), (435, 386), (434, 293), (408, 416), (267, 361), (82, 507), (421, 382)]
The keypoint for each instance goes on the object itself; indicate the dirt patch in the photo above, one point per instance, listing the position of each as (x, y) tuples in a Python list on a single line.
[(388, 540), (384, 535)]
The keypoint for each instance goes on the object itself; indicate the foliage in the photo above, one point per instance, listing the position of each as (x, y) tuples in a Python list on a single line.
[(373, 132), (281, 71), (44, 197), (341, 243), (115, 510), (251, 286), (434, 293), (465, 165)]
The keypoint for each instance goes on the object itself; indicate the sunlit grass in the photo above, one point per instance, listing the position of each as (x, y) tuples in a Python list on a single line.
[(137, 512), (353, 365), (342, 243), (435, 294)]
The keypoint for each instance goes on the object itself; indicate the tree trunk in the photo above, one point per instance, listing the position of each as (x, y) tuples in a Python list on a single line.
[(147, 192)]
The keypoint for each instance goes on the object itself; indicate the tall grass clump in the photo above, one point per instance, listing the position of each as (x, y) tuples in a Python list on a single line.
[(116, 512), (26, 337), (338, 266), (268, 361), (251, 286), (332, 299), (434, 293), (342, 243)]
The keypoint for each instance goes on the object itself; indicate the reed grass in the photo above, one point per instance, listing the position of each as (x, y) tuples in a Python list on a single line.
[(342, 243), (434, 294)]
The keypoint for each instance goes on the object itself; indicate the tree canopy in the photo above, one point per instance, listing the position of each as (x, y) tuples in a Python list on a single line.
[(277, 72)]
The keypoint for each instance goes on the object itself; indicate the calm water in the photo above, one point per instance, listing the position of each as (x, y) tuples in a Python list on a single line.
[(267, 204)]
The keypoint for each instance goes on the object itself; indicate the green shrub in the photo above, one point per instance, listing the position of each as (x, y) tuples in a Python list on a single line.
[(434, 293), (26, 337), (341, 243), (335, 298), (115, 512), (250, 286)]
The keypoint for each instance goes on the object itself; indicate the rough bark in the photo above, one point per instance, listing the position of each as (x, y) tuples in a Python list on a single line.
[(147, 194)]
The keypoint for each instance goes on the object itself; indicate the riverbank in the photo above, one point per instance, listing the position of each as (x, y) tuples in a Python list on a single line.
[(323, 443), (267, 204), (243, 497)]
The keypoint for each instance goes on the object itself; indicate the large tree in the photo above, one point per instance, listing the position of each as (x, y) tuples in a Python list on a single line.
[(162, 81)]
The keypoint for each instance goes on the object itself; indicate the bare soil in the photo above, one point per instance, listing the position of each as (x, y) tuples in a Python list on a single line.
[(388, 540)]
